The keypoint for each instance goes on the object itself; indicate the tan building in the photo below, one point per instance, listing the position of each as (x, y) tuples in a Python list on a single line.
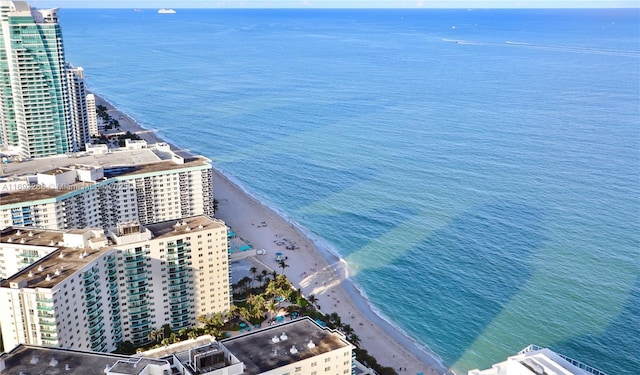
[(298, 347), (96, 289)]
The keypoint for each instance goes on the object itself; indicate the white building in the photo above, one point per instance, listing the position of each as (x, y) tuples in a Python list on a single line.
[(150, 184), (534, 360), (95, 290), (18, 250), (78, 106), (92, 115)]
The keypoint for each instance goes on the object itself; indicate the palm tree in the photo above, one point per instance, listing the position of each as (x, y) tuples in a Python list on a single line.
[(245, 313), (354, 339), (183, 332), (245, 282), (347, 330), (312, 300), (192, 335), (272, 307), (283, 265), (154, 335), (260, 280), (173, 338), (231, 313), (253, 271)]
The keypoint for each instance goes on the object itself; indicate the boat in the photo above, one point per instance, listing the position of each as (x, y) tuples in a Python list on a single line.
[(166, 11)]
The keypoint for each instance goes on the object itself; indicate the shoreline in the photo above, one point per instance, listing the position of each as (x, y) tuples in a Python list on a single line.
[(312, 267)]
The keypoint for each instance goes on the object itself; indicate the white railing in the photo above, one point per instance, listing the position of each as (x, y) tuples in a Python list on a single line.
[(589, 369)]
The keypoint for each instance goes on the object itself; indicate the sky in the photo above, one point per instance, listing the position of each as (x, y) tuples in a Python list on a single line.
[(182, 4)]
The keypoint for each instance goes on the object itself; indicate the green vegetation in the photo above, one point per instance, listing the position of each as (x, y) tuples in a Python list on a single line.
[(258, 299), (127, 135), (110, 122)]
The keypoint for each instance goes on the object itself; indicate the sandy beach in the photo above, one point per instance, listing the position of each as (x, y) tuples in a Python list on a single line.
[(310, 267)]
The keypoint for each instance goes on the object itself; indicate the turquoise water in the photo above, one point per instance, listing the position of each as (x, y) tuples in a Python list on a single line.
[(478, 170)]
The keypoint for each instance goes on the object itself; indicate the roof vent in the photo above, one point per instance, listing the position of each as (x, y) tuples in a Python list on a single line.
[(18, 232), (52, 243), (30, 234), (22, 240), (30, 274), (57, 272), (53, 362), (48, 278), (34, 360), (66, 367), (200, 226), (311, 345), (9, 239), (293, 350), (275, 339), (187, 229), (61, 255), (40, 269), (283, 336)]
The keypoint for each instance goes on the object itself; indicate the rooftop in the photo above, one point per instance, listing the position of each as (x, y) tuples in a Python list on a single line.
[(53, 268), (36, 192), (26, 359), (117, 163), (283, 344), (164, 166), (156, 159), (31, 236), (186, 225), (537, 360)]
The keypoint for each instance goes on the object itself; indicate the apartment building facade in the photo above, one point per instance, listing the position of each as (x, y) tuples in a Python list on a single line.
[(98, 288), (125, 186)]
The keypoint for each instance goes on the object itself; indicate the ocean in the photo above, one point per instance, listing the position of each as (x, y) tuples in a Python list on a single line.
[(479, 170)]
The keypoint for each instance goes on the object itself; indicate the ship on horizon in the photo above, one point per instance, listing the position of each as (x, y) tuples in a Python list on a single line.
[(166, 11)]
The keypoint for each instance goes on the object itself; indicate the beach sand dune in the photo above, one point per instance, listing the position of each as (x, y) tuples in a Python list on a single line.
[(309, 269)]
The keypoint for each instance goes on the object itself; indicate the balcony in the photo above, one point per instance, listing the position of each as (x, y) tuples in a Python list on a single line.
[(183, 322), (91, 303), (137, 277), (96, 329), (48, 329), (141, 299), (32, 256), (138, 292), (134, 266), (96, 341), (139, 310), (49, 341), (180, 287)]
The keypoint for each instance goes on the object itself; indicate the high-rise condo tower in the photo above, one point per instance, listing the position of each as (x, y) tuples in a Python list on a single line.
[(35, 98)]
